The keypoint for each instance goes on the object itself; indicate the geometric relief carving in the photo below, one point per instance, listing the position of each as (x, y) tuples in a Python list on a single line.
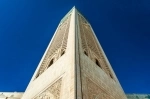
[(95, 92), (58, 45), (52, 92), (90, 45)]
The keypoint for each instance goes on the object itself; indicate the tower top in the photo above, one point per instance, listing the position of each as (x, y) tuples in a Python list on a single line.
[(74, 10), (71, 11), (74, 7), (66, 15)]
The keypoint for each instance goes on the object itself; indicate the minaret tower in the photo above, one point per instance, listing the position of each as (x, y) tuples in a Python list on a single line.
[(74, 65)]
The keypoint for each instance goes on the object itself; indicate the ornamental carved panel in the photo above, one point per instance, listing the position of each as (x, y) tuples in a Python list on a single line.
[(90, 45), (58, 44), (52, 92), (95, 92)]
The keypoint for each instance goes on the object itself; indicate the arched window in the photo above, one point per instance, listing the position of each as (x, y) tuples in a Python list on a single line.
[(50, 63), (37, 75), (62, 53), (110, 75), (85, 53), (97, 63)]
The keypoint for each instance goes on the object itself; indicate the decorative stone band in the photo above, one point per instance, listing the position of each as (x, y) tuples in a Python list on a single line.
[(57, 47), (90, 46), (52, 92)]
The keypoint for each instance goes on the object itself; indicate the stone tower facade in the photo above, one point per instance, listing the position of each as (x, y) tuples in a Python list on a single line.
[(74, 65)]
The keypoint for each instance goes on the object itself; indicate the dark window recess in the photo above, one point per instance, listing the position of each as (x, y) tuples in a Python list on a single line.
[(85, 53), (97, 63), (37, 75), (51, 62), (62, 53), (111, 76)]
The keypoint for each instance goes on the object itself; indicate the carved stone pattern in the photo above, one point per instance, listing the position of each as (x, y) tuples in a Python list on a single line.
[(59, 43), (53, 92), (95, 92), (90, 45)]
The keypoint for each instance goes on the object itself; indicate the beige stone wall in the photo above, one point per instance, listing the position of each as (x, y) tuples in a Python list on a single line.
[(11, 95), (51, 76), (98, 80), (96, 83)]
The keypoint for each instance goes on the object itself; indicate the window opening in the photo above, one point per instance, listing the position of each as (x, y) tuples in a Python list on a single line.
[(111, 76), (97, 63), (51, 62), (63, 52), (85, 53), (37, 75)]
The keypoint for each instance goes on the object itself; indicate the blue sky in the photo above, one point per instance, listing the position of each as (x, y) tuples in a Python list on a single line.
[(122, 27)]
